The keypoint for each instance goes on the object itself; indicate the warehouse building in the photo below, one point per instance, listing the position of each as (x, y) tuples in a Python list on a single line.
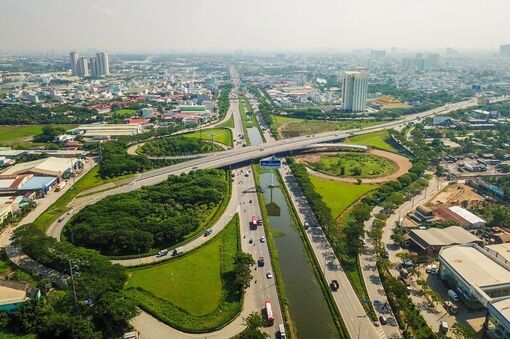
[(53, 167), (461, 216), (105, 131), (475, 274), (497, 321), (430, 241)]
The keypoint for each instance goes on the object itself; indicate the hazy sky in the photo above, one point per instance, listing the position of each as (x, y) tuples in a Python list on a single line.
[(164, 25)]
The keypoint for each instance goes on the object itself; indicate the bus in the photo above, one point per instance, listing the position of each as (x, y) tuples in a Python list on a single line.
[(269, 314)]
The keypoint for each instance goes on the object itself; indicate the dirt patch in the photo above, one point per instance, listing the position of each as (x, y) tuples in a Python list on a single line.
[(402, 165), (455, 194)]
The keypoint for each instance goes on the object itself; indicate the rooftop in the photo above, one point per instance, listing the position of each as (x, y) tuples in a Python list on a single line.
[(467, 215), (447, 236), (475, 265)]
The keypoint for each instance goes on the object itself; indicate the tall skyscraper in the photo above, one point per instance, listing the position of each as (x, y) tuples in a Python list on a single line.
[(103, 65), (74, 62), (83, 67), (354, 91), (93, 66)]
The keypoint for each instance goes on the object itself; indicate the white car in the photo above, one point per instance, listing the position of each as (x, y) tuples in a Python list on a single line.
[(269, 275), (263, 239)]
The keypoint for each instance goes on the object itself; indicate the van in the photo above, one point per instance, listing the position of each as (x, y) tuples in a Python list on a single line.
[(453, 295)]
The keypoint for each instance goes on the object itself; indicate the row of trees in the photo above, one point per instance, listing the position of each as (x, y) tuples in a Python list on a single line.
[(223, 100), (63, 114), (178, 145), (95, 308), (154, 216)]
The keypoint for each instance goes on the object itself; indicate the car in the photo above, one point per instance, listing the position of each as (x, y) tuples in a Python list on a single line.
[(260, 262), (208, 232), (334, 285), (383, 320), (263, 239), (269, 275), (250, 201), (250, 241)]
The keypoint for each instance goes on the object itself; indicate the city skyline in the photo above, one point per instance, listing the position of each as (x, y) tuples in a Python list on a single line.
[(161, 26)]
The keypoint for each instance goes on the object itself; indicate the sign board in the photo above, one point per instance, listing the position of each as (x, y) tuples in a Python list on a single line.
[(271, 162)]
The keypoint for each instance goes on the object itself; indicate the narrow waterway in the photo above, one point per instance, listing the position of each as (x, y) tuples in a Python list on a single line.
[(308, 308), (254, 135)]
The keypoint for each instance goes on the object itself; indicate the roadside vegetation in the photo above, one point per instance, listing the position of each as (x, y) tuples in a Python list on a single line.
[(14, 134), (99, 307), (155, 216), (198, 291), (358, 165), (176, 145)]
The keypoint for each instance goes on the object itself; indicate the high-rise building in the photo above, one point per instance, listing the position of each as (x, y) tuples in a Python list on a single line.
[(504, 50), (103, 65), (354, 91), (74, 62), (93, 66), (83, 67), (378, 54)]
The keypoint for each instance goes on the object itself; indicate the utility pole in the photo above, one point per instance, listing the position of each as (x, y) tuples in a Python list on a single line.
[(74, 287)]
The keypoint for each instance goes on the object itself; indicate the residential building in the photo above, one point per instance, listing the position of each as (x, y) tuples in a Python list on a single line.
[(83, 67), (103, 64), (74, 56), (354, 91)]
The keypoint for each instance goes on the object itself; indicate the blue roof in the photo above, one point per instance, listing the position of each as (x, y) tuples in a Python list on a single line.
[(37, 183)]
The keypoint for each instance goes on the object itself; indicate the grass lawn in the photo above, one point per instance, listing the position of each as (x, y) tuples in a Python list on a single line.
[(349, 164), (13, 134), (339, 195), (89, 180), (293, 127), (375, 139), (228, 124), (194, 292), (222, 135)]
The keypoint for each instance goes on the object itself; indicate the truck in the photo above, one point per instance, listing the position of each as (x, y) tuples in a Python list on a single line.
[(269, 313), (162, 253), (254, 223), (281, 329), (178, 250)]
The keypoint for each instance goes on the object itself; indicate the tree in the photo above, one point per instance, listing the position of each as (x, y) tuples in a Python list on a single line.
[(253, 323), (242, 269), (65, 326)]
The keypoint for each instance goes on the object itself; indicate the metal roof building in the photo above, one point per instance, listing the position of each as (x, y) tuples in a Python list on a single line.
[(472, 219), (46, 167), (432, 240)]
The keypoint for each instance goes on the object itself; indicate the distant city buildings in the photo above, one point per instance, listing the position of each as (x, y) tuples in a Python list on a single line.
[(378, 54), (95, 66), (504, 50), (354, 91)]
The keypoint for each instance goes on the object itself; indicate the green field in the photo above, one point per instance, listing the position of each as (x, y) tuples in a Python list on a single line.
[(194, 292), (339, 195), (359, 165), (89, 180), (13, 134), (228, 124), (375, 139), (221, 135), (293, 127)]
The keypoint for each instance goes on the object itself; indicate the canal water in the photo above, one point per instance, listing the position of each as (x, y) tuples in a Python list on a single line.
[(308, 308), (254, 135)]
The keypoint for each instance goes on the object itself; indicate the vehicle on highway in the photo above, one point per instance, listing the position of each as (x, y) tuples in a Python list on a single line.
[(162, 253), (250, 241), (260, 262), (254, 223), (208, 232), (269, 313), (269, 275), (334, 285), (60, 219), (178, 251), (281, 330), (383, 320), (259, 222), (263, 239), (250, 201)]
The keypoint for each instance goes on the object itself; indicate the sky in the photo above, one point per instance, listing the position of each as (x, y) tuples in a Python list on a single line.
[(251, 25)]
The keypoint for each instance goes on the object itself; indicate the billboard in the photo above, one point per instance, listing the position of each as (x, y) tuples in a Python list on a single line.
[(271, 162)]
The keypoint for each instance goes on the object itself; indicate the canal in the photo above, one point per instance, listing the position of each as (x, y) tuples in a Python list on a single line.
[(254, 136), (308, 308)]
